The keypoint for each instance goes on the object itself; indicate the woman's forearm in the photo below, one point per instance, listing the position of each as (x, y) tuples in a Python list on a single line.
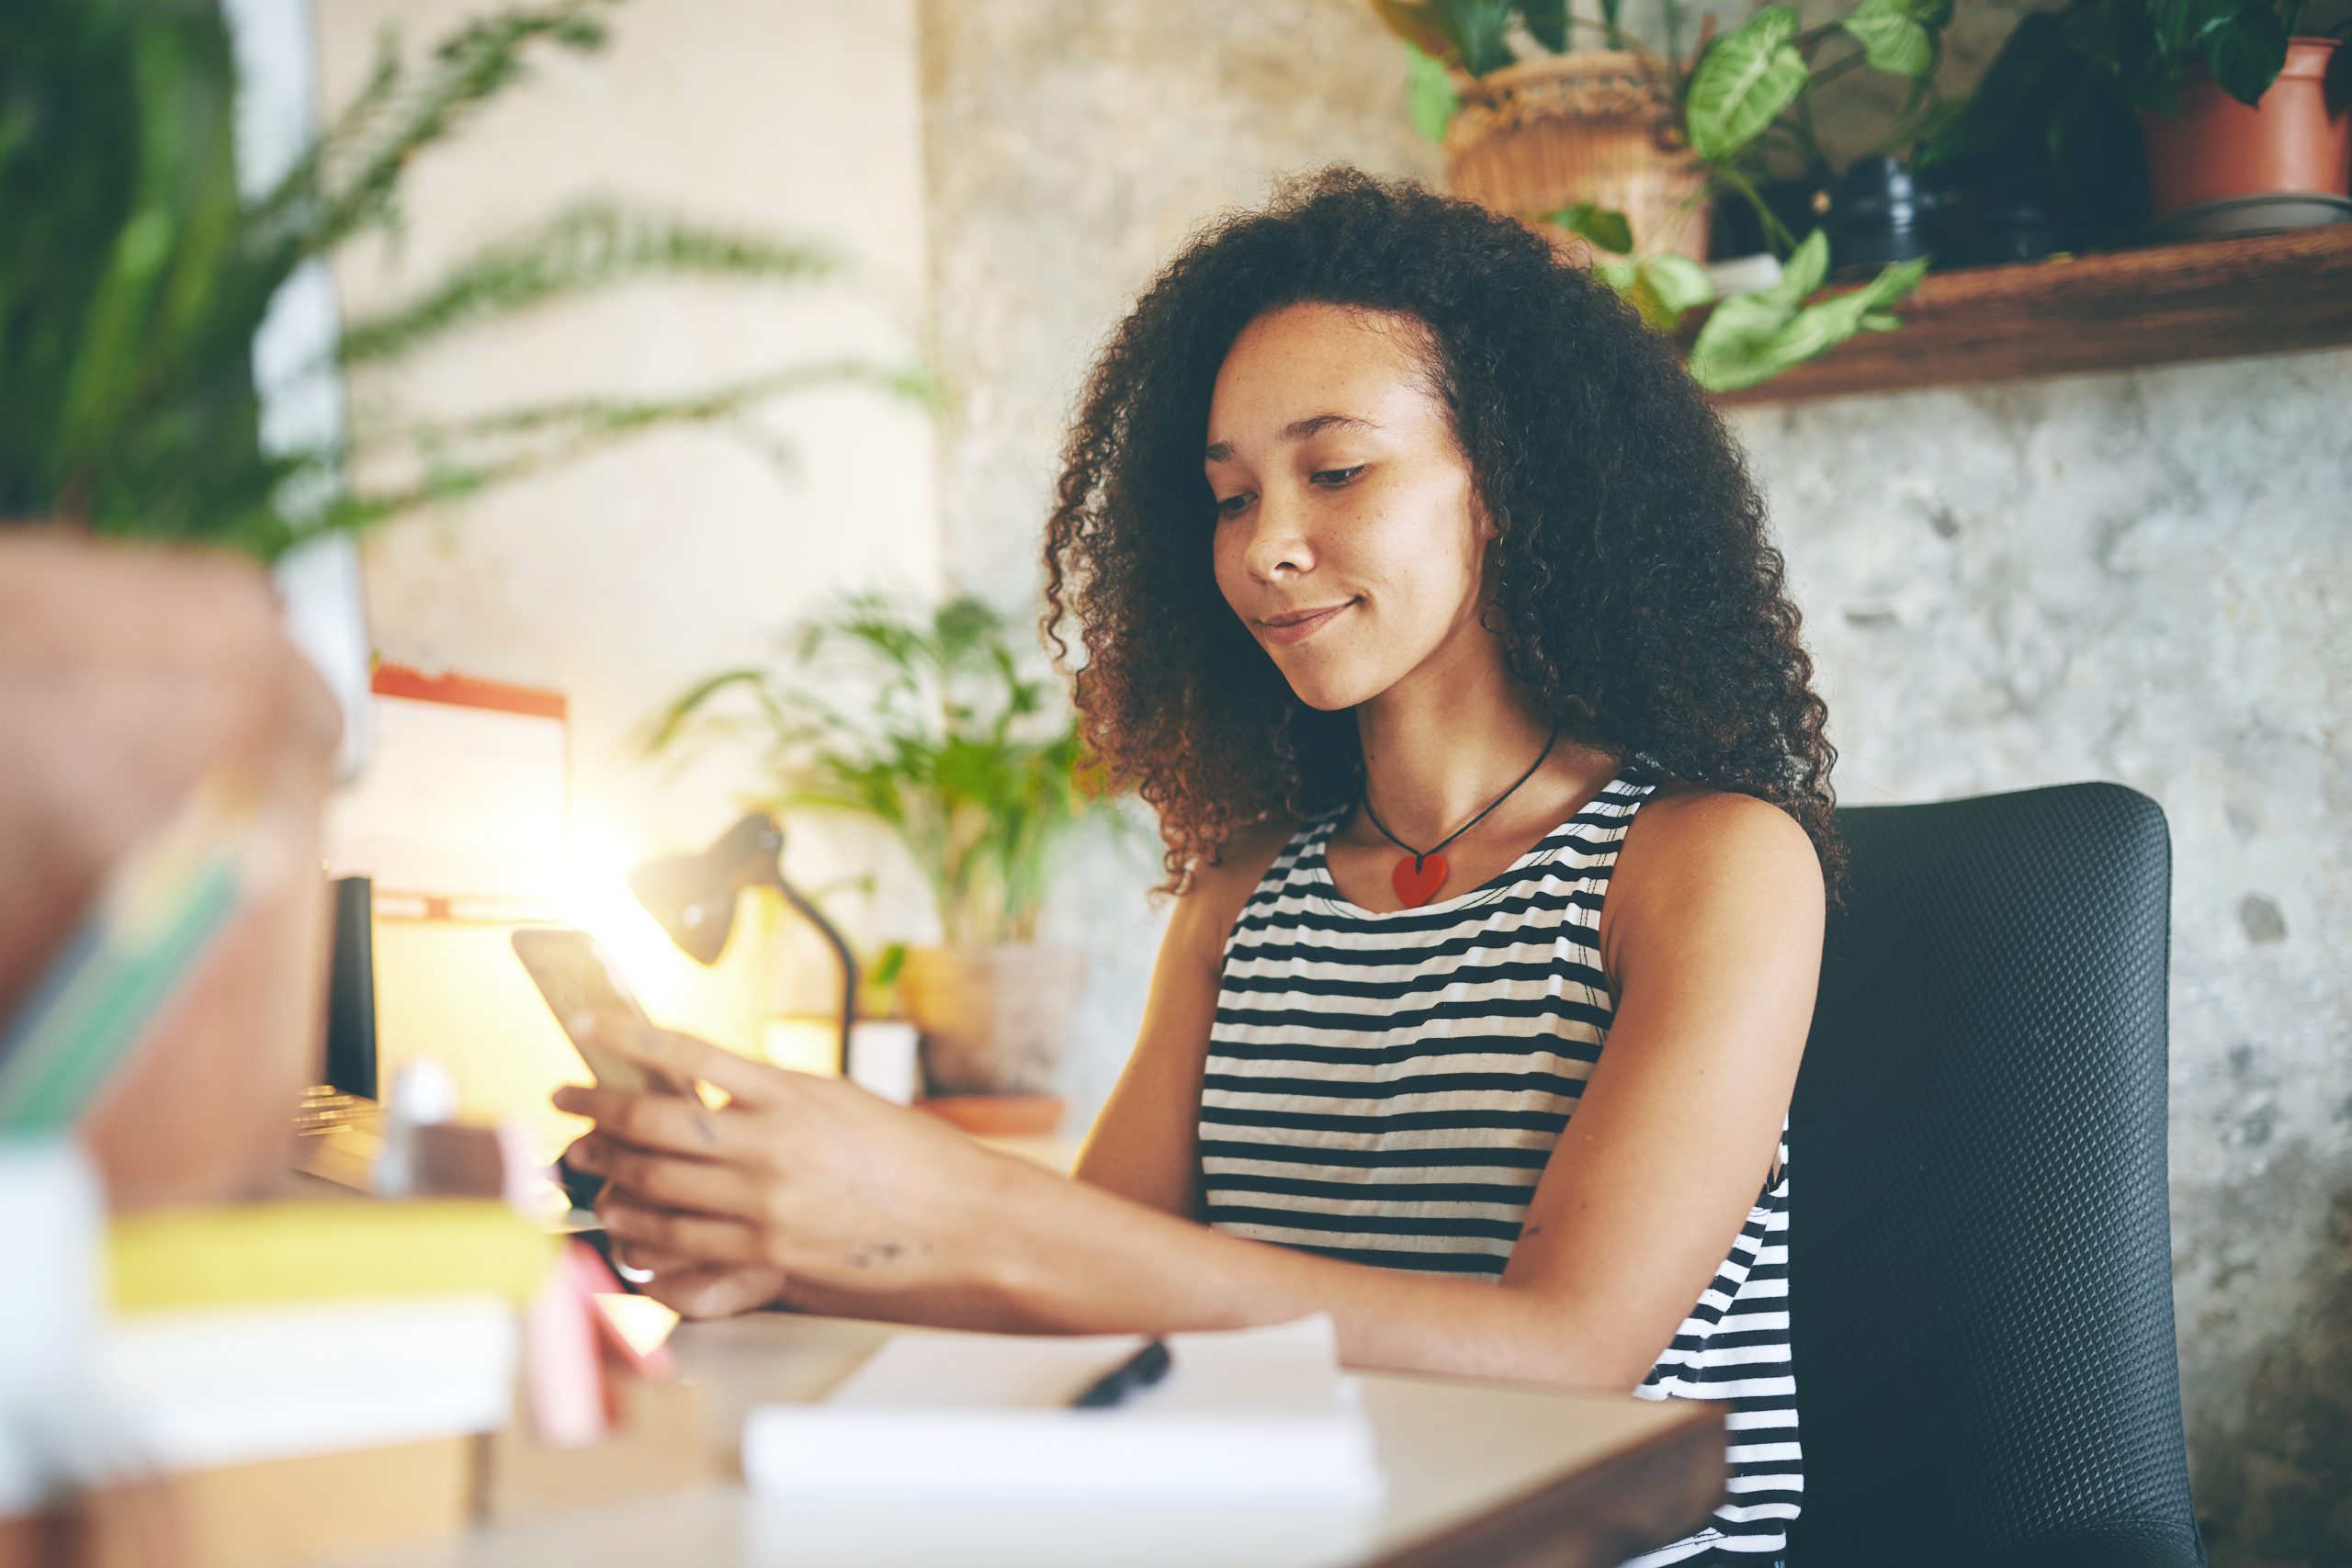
[(1047, 1254)]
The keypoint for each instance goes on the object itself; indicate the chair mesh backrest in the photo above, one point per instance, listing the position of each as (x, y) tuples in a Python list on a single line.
[(1979, 1250)]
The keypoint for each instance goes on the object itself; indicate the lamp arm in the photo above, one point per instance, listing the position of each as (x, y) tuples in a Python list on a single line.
[(807, 911)]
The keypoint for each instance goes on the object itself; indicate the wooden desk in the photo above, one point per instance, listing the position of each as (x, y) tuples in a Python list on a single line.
[(1479, 1475)]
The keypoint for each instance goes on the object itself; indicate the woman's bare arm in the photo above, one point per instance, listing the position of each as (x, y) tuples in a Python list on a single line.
[(1145, 1145), (1715, 948)]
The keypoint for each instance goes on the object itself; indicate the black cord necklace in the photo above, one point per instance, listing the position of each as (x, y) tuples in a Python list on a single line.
[(1418, 880)]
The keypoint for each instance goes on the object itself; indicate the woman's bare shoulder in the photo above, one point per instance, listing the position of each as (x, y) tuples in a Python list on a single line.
[(1683, 825), (1690, 848)]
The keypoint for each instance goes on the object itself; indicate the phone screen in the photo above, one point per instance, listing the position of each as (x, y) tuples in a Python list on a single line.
[(580, 986)]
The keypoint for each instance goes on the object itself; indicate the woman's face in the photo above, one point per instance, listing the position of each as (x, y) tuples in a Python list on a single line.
[(1342, 498)]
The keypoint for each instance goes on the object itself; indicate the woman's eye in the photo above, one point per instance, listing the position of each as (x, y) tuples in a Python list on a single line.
[(1333, 478), (1232, 504)]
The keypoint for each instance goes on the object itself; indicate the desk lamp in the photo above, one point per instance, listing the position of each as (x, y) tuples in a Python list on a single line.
[(692, 897)]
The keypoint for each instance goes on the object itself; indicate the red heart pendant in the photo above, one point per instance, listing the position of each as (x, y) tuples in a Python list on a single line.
[(1415, 888)]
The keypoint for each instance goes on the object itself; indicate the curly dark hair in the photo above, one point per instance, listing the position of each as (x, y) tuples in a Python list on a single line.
[(1634, 593)]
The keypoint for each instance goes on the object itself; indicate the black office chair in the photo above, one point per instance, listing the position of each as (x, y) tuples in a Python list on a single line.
[(1979, 1251)]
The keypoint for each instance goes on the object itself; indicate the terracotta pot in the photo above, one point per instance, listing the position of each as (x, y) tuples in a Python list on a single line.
[(993, 1019), (2217, 148), (1599, 126)]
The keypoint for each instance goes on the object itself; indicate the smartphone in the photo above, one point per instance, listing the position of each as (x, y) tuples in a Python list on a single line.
[(581, 986)]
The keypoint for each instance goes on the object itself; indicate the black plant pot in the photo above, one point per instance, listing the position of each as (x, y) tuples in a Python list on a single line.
[(1878, 214), (1992, 221), (1797, 201)]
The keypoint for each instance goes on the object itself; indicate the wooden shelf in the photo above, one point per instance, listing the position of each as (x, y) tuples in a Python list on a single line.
[(2120, 311)]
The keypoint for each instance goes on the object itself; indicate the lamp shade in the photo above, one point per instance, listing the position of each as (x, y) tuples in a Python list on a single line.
[(692, 897)]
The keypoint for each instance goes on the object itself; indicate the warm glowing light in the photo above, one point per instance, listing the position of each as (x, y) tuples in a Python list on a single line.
[(803, 1044), (641, 1321), (600, 902)]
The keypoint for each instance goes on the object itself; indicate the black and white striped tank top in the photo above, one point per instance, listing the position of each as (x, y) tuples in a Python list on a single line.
[(1384, 1087)]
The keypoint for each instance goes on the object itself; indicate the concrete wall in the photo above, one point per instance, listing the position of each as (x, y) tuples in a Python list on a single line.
[(2126, 577)]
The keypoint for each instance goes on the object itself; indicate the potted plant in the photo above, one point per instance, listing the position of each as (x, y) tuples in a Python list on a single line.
[(1628, 127), (926, 721), (2252, 117), (1531, 130), (1619, 149), (2206, 117)]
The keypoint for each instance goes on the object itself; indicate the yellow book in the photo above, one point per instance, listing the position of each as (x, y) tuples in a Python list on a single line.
[(250, 1254)]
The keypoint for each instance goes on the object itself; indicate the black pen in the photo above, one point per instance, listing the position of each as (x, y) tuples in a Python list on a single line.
[(1143, 1368)]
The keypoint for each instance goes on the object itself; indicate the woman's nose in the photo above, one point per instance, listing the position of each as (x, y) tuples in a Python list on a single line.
[(1279, 544)]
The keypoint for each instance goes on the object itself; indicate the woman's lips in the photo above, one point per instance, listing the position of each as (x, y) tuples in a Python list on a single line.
[(1299, 631)]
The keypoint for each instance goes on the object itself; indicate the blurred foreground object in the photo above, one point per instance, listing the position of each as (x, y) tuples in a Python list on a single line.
[(125, 677), (278, 1382)]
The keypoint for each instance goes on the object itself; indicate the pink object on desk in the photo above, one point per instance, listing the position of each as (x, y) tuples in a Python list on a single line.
[(563, 1365)]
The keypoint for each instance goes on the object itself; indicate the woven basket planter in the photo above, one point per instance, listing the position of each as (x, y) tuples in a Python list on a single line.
[(1598, 125)]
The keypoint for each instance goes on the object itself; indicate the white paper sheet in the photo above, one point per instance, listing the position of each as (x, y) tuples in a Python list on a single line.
[(1261, 1415)]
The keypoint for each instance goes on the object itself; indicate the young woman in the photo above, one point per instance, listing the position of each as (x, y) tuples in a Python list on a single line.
[(1427, 601)]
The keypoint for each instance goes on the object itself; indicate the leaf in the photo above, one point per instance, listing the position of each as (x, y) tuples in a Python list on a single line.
[(2247, 51), (1743, 82), (1803, 273), (1547, 23), (2151, 86), (1680, 283), (2177, 24), (590, 246), (2036, 47), (1730, 352), (1478, 28), (1429, 97), (665, 730), (1418, 23), (1894, 282), (1754, 337), (1604, 226), (1661, 288), (1899, 37)]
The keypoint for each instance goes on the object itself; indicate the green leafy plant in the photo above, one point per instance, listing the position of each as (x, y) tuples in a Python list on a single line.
[(1733, 89), (133, 277), (927, 721), (2056, 109), (1752, 336), (1744, 96)]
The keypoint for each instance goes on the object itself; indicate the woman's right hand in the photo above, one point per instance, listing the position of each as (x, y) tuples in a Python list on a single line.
[(694, 1288), (709, 1290)]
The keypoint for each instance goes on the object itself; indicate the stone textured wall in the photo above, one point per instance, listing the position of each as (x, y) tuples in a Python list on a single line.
[(2142, 578), (2131, 577)]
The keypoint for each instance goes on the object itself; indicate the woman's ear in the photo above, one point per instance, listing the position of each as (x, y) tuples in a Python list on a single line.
[(1490, 527)]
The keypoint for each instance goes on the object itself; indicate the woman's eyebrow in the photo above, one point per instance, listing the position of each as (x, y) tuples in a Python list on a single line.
[(1298, 430)]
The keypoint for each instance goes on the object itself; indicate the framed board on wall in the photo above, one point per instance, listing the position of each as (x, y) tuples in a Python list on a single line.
[(461, 812)]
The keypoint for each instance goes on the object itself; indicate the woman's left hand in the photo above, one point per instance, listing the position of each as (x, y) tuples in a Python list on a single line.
[(810, 1176)]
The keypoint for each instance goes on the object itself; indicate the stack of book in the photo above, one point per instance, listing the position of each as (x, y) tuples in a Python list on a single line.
[(312, 1378)]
